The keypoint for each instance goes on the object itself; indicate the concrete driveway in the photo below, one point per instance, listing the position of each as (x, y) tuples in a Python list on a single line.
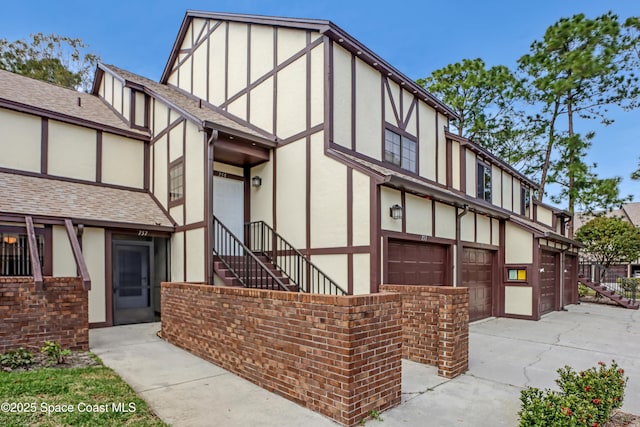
[(505, 356)]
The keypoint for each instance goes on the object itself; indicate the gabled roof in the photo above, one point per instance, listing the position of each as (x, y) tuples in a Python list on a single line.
[(629, 212), (37, 97), (86, 203), (324, 27), (195, 109)]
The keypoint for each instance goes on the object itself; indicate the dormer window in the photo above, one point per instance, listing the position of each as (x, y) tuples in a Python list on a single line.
[(400, 150), (484, 181)]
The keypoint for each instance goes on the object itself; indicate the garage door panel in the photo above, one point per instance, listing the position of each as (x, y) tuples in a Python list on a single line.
[(477, 275), (412, 263), (548, 281)]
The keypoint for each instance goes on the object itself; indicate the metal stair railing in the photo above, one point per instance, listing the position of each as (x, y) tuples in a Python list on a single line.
[(601, 275), (263, 239), (241, 261)]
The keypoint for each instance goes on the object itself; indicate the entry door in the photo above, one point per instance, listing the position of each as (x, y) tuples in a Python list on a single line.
[(228, 204), (132, 282)]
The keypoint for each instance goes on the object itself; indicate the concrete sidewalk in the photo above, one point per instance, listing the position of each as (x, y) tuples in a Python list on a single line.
[(505, 356)]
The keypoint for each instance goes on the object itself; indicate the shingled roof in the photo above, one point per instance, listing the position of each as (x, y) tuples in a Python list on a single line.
[(629, 212), (29, 95), (86, 203), (198, 110)]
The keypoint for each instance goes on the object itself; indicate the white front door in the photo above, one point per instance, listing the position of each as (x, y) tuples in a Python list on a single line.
[(228, 204)]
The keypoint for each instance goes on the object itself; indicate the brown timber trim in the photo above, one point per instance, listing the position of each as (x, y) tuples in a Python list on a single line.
[(207, 83), (403, 203), (480, 246), (392, 100), (77, 254), (374, 237), (99, 156), (108, 285), (417, 238), (192, 226), (248, 81), (274, 196), (349, 201), (328, 90), (184, 256), (275, 82), (48, 251), (299, 136), (276, 68), (307, 203), (191, 50), (44, 145), (226, 64), (463, 169), (168, 129), (340, 250), (247, 194), (475, 227), (66, 179), (34, 257), (353, 105), (433, 218), (449, 154), (437, 149), (147, 170), (184, 167), (535, 279), (409, 113)]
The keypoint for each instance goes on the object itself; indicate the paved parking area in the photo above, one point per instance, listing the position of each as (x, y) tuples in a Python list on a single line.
[(505, 356)]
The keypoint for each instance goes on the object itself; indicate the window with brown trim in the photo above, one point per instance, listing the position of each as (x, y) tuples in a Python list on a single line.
[(176, 181), (14, 253), (525, 200), (484, 181), (400, 150)]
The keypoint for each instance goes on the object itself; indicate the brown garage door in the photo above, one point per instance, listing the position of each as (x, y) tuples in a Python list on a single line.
[(411, 263), (548, 281), (477, 275), (570, 280)]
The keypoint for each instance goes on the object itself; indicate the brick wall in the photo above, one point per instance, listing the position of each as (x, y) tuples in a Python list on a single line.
[(58, 312), (435, 326), (340, 356)]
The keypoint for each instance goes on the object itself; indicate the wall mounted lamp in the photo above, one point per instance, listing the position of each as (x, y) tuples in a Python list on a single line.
[(9, 239), (395, 211), (256, 181)]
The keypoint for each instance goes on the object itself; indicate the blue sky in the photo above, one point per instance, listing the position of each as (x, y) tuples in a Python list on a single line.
[(416, 36)]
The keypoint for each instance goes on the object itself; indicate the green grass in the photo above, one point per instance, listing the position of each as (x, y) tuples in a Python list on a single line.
[(95, 387)]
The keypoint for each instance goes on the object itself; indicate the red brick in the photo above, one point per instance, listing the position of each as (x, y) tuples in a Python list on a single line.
[(340, 356)]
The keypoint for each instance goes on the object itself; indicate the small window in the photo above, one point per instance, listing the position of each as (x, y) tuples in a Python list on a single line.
[(484, 181), (14, 253), (525, 200), (517, 274), (176, 181), (400, 150)]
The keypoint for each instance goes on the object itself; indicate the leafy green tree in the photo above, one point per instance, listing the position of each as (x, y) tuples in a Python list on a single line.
[(578, 69), (610, 240), (486, 101), (51, 58)]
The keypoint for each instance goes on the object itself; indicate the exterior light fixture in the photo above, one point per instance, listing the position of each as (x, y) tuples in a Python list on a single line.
[(256, 181), (395, 211), (9, 239)]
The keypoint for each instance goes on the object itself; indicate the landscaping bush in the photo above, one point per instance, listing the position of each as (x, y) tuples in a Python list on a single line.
[(55, 353), (18, 358), (586, 398)]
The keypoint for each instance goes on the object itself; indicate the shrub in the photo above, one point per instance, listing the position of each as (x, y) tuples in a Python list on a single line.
[(55, 353), (586, 398), (18, 358)]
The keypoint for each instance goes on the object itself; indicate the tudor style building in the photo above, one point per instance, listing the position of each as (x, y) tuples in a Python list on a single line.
[(285, 126)]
